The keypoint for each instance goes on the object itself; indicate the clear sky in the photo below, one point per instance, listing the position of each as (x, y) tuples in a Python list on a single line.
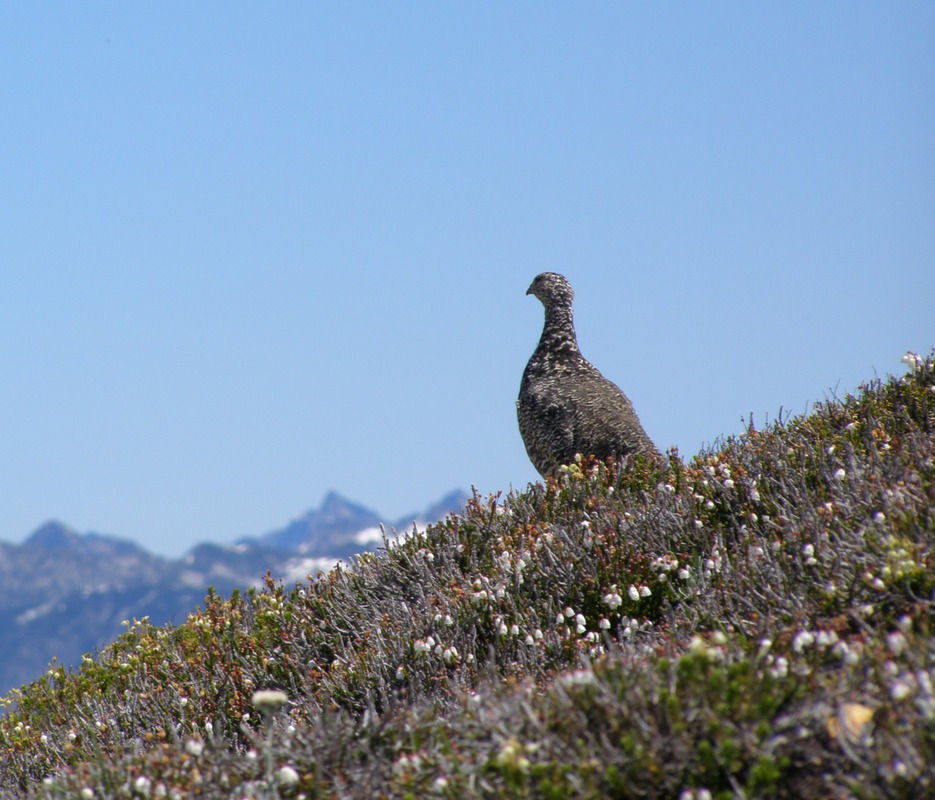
[(253, 252)]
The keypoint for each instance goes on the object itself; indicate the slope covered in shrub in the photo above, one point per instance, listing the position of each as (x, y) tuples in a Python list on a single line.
[(752, 623)]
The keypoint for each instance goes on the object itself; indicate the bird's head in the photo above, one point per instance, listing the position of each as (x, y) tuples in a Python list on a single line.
[(552, 289)]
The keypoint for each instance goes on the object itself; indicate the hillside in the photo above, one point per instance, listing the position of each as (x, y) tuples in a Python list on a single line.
[(64, 593), (754, 622)]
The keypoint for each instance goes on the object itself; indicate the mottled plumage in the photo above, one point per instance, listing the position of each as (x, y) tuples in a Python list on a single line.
[(565, 405)]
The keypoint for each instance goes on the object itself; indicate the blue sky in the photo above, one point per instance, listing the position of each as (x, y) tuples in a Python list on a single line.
[(250, 253)]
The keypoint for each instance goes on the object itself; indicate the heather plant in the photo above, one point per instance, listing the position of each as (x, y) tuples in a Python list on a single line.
[(752, 622)]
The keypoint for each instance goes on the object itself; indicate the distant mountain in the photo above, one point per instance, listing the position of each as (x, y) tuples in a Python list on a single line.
[(321, 532), (65, 593)]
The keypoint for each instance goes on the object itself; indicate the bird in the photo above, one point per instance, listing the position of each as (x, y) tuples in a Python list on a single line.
[(566, 407)]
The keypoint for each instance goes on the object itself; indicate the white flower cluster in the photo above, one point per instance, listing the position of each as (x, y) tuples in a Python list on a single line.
[(407, 763), (424, 647), (808, 551), (713, 565), (716, 471), (612, 599), (821, 640), (695, 794), (711, 648), (665, 564), (914, 361), (513, 565), (534, 637), (485, 592)]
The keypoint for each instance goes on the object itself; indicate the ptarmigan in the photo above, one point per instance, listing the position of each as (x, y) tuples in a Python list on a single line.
[(565, 405)]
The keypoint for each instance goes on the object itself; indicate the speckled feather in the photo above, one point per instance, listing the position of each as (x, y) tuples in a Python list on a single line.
[(565, 405)]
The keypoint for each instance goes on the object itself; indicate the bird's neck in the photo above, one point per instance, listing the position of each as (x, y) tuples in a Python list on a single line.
[(558, 333)]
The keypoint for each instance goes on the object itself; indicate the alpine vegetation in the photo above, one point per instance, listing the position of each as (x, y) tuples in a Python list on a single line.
[(754, 622)]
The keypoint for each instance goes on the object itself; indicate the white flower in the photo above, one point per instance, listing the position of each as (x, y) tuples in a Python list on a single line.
[(684, 573), (697, 645), (780, 668), (603, 623), (808, 551), (143, 786), (287, 776), (269, 700), (613, 600), (634, 593), (900, 690), (529, 640), (913, 360), (896, 642), (569, 612), (87, 793), (194, 747), (514, 629), (839, 474), (644, 591), (802, 640)]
